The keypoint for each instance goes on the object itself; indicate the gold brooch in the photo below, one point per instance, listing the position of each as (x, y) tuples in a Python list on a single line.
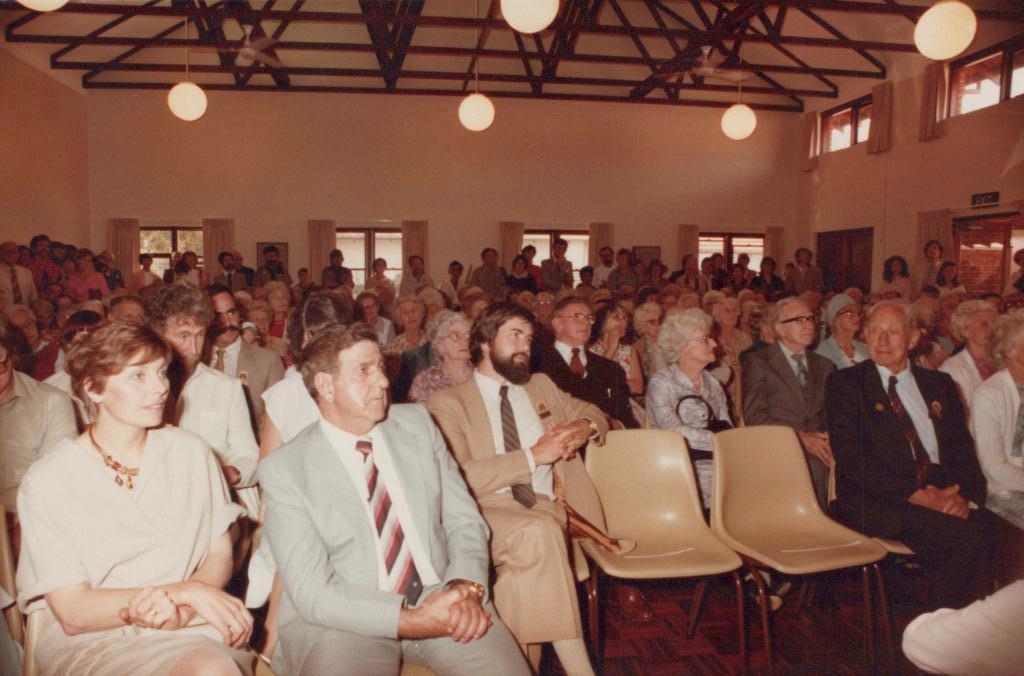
[(879, 407)]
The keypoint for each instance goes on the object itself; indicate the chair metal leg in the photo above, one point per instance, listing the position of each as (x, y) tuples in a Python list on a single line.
[(883, 602), (808, 586), (869, 627), (698, 600), (593, 586), (762, 598), (741, 622)]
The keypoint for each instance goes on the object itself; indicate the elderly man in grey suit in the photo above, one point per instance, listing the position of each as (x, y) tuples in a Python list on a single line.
[(382, 550), (784, 384)]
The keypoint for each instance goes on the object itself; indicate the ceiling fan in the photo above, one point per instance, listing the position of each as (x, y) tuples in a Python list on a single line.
[(250, 50), (707, 69)]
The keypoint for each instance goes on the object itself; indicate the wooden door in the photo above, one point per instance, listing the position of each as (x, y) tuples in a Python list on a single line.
[(844, 257)]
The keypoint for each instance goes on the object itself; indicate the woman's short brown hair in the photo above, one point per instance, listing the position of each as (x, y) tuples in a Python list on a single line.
[(106, 350), (319, 312), (321, 354)]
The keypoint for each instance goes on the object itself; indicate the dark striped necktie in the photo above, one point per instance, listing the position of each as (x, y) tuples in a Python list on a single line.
[(921, 458), (523, 493)]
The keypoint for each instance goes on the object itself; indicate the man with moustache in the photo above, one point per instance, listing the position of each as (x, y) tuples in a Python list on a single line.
[(381, 549), (231, 277), (257, 367), (203, 400), (515, 437)]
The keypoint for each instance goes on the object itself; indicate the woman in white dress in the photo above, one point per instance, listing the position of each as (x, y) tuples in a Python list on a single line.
[(125, 542)]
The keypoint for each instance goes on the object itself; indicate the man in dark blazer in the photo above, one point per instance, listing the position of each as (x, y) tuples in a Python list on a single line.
[(784, 384), (905, 462), (581, 373)]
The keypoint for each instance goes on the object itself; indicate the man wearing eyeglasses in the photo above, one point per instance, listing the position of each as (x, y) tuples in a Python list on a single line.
[(578, 371), (784, 384), (258, 368)]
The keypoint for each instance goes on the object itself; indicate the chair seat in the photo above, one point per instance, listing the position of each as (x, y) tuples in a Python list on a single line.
[(895, 547), (800, 551), (693, 557)]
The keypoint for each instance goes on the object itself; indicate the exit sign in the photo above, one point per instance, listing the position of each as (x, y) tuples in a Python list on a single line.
[(984, 199)]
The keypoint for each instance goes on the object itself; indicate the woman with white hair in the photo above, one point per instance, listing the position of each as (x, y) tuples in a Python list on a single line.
[(408, 314), (843, 318), (647, 323), (449, 338), (997, 421), (684, 396), (972, 322)]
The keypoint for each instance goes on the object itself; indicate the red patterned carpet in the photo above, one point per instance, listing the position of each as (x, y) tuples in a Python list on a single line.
[(827, 637)]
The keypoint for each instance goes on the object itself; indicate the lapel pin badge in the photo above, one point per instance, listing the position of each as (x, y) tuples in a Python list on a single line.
[(879, 407), (937, 410), (542, 410), (244, 377)]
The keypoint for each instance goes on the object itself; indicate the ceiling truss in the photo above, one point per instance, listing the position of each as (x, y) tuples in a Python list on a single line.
[(659, 42)]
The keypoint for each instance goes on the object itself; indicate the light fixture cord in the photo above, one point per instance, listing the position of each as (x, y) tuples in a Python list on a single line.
[(739, 94), (188, 50), (476, 71)]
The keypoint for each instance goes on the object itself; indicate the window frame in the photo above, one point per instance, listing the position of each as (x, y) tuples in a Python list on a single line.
[(174, 229), (729, 252), (855, 107), (369, 248), (1007, 48), (553, 234)]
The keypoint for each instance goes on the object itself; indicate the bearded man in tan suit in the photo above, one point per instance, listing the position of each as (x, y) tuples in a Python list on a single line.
[(515, 438)]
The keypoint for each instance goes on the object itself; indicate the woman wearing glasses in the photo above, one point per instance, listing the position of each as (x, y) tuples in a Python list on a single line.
[(448, 333), (843, 317), (368, 311)]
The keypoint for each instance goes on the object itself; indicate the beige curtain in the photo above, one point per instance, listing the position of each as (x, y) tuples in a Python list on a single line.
[(123, 242), (689, 241), (322, 240), (218, 235), (600, 237), (937, 225), (510, 242), (933, 102), (880, 132), (809, 142), (414, 241), (774, 241)]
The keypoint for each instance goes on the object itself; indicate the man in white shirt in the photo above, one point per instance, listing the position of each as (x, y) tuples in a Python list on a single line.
[(258, 368), (415, 276), (16, 284), (381, 549), (602, 271), (205, 401)]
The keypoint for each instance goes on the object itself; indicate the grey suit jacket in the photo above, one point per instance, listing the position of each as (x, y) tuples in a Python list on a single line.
[(772, 394), (324, 545), (258, 369), (238, 281)]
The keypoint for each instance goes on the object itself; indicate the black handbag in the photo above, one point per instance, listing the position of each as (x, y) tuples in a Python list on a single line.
[(712, 425)]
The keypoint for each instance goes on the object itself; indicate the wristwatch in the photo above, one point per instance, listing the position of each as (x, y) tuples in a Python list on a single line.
[(475, 588)]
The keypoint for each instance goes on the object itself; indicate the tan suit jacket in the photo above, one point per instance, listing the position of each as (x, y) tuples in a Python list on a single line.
[(535, 589), (258, 368)]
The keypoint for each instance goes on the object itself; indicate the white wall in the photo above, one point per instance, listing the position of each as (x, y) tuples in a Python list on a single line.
[(271, 161)]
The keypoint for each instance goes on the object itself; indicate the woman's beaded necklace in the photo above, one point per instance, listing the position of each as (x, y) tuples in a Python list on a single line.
[(123, 474)]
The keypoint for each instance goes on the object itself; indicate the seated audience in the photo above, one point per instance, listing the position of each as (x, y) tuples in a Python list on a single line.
[(997, 424), (44, 271), (451, 286), (575, 369), (449, 340), (684, 396), (379, 281), (128, 309), (273, 268), (843, 318), (927, 271), (415, 276), (585, 289), (513, 434), (768, 283), (33, 416), (784, 384), (947, 280), (731, 343), (520, 278), (612, 337), (17, 285), (972, 322), (896, 276), (368, 311), (381, 548), (433, 302), (409, 315), (805, 277), (85, 282), (489, 276), (646, 324), (622, 275), (905, 462), (125, 542), (231, 278), (556, 272)]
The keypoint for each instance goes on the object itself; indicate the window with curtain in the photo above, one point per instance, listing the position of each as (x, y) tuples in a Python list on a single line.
[(161, 241), (987, 77), (578, 241), (361, 246), (846, 125), (731, 245)]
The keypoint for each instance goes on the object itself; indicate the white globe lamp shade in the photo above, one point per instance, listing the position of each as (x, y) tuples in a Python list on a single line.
[(945, 30), (739, 121), (476, 112), (529, 16), (43, 5), (187, 101)]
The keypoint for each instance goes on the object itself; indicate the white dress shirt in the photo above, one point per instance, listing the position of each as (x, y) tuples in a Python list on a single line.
[(566, 352), (792, 362), (528, 425), (917, 408), (344, 444), (601, 273), (289, 405)]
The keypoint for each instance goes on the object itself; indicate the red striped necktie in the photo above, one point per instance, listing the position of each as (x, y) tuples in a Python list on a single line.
[(398, 562)]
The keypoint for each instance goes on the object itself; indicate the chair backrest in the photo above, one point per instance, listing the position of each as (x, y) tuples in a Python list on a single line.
[(645, 481), (760, 476), (11, 613)]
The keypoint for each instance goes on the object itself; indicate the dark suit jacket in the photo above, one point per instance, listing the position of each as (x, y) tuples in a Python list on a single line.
[(875, 469), (772, 394), (413, 361), (250, 274), (604, 384)]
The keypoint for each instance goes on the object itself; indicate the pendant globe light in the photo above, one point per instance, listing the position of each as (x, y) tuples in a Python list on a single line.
[(43, 5), (739, 120), (187, 100), (476, 112), (529, 16), (945, 30)]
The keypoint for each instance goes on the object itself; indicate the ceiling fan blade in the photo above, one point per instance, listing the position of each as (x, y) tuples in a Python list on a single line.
[(267, 59), (261, 44)]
